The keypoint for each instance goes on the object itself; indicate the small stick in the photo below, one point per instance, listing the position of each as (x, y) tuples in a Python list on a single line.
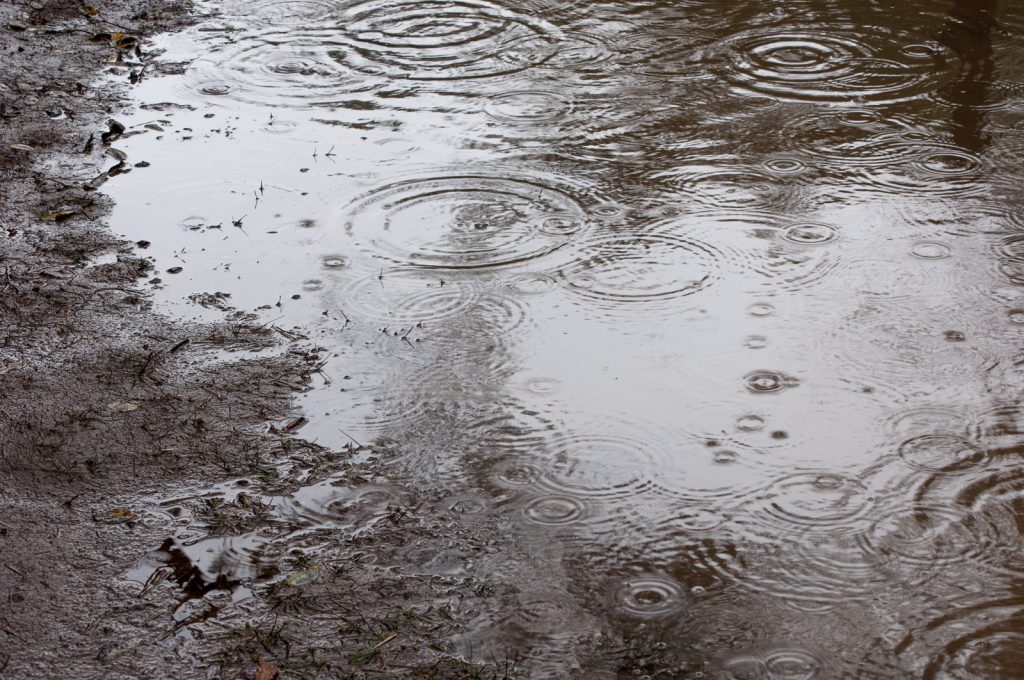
[(385, 641), (350, 437)]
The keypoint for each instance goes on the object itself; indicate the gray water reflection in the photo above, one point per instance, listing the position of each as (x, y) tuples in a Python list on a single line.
[(715, 308)]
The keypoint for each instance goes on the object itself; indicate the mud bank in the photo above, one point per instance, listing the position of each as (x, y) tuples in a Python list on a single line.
[(118, 422)]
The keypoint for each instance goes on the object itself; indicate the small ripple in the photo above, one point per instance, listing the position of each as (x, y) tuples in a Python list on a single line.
[(809, 233), (554, 510), (530, 106), (779, 664), (464, 222), (941, 453), (650, 597), (931, 250), (785, 166), (331, 503), (761, 309)]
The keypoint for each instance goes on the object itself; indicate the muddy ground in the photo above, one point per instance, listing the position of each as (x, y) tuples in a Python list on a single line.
[(108, 405)]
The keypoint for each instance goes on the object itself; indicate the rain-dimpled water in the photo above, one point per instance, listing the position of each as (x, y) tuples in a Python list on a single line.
[(715, 306)]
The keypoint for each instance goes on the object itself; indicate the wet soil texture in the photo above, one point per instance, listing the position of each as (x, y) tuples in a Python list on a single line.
[(654, 339)]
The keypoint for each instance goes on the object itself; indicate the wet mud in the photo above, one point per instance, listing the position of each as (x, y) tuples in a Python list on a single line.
[(668, 340)]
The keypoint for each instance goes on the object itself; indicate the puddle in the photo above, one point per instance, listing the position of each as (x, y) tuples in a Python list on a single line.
[(703, 320)]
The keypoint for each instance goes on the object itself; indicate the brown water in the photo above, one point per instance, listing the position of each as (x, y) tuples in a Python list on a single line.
[(716, 307)]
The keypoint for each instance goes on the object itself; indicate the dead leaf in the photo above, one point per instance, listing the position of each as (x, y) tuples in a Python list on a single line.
[(122, 406), (267, 670), (119, 516), (304, 577), (89, 10), (59, 215)]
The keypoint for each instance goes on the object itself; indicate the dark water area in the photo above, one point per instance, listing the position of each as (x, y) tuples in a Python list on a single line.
[(715, 308)]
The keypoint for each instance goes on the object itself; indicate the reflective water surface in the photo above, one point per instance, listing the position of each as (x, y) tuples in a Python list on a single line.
[(714, 308)]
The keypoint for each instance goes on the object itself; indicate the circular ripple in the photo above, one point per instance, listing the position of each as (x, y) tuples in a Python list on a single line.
[(997, 500), (718, 186), (407, 297), (554, 510), (650, 597), (818, 66), (926, 167), (600, 465), (941, 453), (969, 640), (642, 269), (528, 107), (820, 501), (463, 222), (927, 536), (281, 12), (445, 39), (287, 68), (784, 664)]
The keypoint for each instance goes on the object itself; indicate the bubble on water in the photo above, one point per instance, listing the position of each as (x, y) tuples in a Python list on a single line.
[(725, 457), (749, 423), (755, 342), (334, 261), (312, 284), (810, 233), (213, 89), (768, 381)]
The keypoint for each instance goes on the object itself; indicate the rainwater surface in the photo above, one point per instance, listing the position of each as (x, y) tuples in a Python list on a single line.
[(716, 305)]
